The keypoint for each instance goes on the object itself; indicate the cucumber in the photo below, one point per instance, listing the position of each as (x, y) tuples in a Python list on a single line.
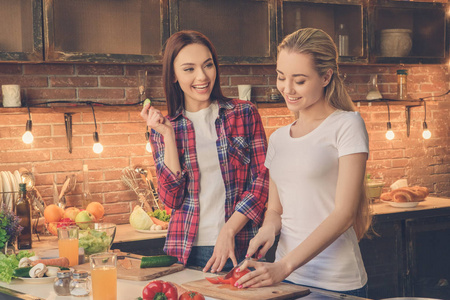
[(157, 261), (25, 271)]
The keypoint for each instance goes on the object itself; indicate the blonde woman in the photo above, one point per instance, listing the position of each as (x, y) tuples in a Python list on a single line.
[(316, 192)]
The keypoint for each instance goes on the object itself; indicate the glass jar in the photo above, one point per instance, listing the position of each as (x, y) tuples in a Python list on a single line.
[(62, 283), (80, 285), (402, 90), (273, 95)]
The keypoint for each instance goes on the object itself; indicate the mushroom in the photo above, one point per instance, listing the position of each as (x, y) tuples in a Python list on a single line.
[(38, 271), (24, 262), (52, 271), (33, 258)]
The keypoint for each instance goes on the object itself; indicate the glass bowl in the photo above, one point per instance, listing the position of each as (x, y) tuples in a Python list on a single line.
[(97, 237)]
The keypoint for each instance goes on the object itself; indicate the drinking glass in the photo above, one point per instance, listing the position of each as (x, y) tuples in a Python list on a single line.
[(68, 244), (104, 276)]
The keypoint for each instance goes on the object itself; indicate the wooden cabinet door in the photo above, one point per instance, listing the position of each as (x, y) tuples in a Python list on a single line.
[(21, 30), (329, 16), (242, 31), (424, 25), (131, 31)]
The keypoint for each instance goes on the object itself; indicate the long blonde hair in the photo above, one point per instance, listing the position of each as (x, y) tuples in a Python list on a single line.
[(322, 49)]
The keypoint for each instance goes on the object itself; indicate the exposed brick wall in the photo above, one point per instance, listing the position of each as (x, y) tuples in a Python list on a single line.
[(423, 162)]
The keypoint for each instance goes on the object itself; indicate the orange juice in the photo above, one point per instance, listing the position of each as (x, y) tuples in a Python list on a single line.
[(104, 283), (69, 248)]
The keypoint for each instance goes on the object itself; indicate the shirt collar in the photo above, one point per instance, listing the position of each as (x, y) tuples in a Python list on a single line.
[(223, 105)]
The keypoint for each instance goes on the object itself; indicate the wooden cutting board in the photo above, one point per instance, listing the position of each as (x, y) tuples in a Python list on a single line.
[(229, 292), (130, 269)]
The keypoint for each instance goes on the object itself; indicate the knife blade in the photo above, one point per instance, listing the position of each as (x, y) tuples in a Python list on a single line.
[(230, 274)]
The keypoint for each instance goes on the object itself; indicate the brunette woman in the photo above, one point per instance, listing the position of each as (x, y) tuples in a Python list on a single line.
[(209, 153), (316, 193)]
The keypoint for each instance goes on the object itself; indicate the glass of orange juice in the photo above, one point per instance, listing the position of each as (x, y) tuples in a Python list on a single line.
[(68, 243), (104, 276)]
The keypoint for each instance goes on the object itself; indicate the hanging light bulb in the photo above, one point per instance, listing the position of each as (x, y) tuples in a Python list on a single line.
[(426, 134), (27, 137), (97, 148), (148, 147), (389, 133)]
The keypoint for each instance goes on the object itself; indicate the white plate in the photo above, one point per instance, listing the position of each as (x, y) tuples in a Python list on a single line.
[(14, 185), (401, 204), (18, 177), (7, 197), (152, 231), (38, 280)]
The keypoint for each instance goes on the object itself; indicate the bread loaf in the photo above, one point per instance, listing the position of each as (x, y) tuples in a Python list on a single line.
[(406, 194)]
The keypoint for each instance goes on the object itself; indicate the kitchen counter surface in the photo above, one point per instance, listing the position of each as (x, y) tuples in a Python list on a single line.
[(131, 290)]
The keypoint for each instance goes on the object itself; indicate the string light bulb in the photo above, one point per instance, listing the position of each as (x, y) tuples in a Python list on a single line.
[(426, 134), (148, 147), (389, 133), (97, 147), (28, 137)]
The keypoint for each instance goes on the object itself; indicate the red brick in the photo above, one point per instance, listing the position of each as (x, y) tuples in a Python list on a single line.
[(51, 94), (57, 165), (132, 70), (263, 70), (10, 69), (102, 116), (100, 94), (235, 70), (73, 81), (119, 82), (102, 70), (124, 128), (105, 163), (254, 80), (48, 69), (117, 208)]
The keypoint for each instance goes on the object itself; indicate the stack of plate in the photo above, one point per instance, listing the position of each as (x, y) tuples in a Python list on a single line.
[(9, 188)]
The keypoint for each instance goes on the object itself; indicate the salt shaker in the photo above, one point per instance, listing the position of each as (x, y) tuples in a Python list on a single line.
[(62, 283), (80, 285)]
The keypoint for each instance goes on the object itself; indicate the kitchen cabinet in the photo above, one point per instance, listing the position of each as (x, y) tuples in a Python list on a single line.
[(243, 31), (105, 31), (408, 256), (21, 30), (424, 26), (329, 16)]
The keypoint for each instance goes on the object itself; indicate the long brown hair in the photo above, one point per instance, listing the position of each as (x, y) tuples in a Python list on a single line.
[(173, 91), (322, 49)]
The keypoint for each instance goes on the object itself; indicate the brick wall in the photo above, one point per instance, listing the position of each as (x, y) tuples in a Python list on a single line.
[(122, 132)]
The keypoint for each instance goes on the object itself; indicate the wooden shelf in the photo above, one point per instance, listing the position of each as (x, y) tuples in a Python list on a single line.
[(378, 102), (72, 109)]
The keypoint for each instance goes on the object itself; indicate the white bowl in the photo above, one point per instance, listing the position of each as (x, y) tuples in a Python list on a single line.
[(395, 42)]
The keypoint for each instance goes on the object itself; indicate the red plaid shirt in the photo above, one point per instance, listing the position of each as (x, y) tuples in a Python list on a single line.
[(241, 147)]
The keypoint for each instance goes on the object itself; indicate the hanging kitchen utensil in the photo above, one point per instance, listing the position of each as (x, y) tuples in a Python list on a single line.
[(68, 124), (55, 194), (144, 176), (130, 179)]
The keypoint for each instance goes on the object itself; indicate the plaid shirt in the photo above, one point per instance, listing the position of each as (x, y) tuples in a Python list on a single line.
[(241, 147)]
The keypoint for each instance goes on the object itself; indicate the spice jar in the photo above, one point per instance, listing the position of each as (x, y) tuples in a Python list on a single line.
[(273, 95), (80, 285), (62, 283), (402, 90)]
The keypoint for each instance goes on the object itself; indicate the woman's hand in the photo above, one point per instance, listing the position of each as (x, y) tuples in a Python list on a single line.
[(155, 120), (223, 250), (265, 274), (261, 243)]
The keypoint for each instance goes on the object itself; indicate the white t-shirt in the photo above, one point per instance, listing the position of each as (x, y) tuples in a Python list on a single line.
[(212, 187), (305, 170)]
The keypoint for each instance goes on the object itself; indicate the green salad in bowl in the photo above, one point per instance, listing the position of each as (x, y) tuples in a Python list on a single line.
[(98, 237)]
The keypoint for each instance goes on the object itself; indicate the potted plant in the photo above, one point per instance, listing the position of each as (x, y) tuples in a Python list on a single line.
[(9, 228)]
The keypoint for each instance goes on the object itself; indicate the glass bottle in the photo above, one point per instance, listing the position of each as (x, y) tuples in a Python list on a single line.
[(373, 93), (23, 212), (62, 283), (87, 197), (80, 286), (402, 89), (342, 40)]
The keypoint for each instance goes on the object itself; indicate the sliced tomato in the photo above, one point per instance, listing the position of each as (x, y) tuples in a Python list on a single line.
[(223, 280), (214, 280), (237, 275)]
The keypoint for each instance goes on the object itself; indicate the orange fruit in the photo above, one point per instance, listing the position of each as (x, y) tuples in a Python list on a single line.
[(53, 213), (96, 209)]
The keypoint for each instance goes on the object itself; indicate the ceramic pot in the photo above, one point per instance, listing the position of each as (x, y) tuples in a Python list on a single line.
[(395, 42)]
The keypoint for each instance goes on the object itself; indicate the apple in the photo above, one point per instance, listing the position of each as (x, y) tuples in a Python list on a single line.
[(83, 219), (71, 213)]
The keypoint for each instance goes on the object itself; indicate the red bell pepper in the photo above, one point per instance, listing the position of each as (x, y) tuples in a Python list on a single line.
[(159, 290)]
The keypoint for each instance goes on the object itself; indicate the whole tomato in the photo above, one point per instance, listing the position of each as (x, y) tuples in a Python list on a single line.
[(191, 295), (159, 290)]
